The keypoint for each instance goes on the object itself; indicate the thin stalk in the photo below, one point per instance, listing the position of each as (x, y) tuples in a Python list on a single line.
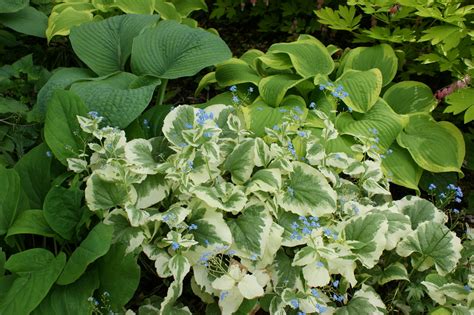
[(162, 91)]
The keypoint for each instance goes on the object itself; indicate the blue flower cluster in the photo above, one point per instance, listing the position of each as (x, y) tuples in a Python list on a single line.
[(338, 92), (202, 116), (291, 148), (304, 227)]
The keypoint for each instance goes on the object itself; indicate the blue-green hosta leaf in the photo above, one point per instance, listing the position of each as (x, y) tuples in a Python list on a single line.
[(28, 21), (435, 146), (441, 290), (431, 244), (308, 193), (61, 129), (9, 6), (172, 50), (224, 196), (267, 180), (211, 227), (250, 230), (151, 191), (103, 195), (95, 245), (395, 271), (381, 56), (380, 117), (400, 167), (308, 56), (106, 45), (363, 88), (36, 271), (61, 79), (240, 162), (366, 235), (459, 101), (235, 71), (274, 87), (120, 97), (31, 222), (410, 97), (420, 210)]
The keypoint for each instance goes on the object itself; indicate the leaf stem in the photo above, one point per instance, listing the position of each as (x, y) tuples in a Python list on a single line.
[(162, 91)]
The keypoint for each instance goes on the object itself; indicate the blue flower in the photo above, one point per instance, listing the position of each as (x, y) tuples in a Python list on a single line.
[(451, 187), (298, 110), (315, 293), (283, 110), (322, 87), (335, 283), (301, 313), (459, 192), (321, 308), (442, 195), (306, 231), (319, 264), (349, 109), (192, 227), (291, 191), (235, 99), (231, 252), (207, 134), (301, 133), (294, 225), (182, 145), (146, 123), (312, 105), (389, 151), (327, 232), (188, 126), (49, 154), (295, 303), (206, 242), (458, 200), (253, 257), (93, 114), (432, 186), (250, 89), (174, 245), (223, 295), (455, 211), (467, 288), (233, 88), (276, 128)]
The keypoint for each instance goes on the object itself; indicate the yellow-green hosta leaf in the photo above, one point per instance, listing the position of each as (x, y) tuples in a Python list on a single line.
[(273, 61), (395, 271), (379, 122), (167, 10), (274, 87), (366, 235), (207, 79), (410, 97), (224, 196), (106, 45), (459, 101), (103, 195), (61, 23), (185, 7), (431, 244), (151, 191), (250, 57), (240, 162), (308, 56), (380, 56), (435, 146), (250, 230), (235, 71), (135, 6), (307, 192), (363, 88), (420, 210), (400, 167)]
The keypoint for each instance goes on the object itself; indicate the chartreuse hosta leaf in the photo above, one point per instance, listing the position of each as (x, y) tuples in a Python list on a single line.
[(106, 45), (420, 210), (274, 87), (363, 88), (366, 235), (172, 50), (435, 146), (400, 167), (35, 272), (307, 192), (235, 71), (381, 57), (410, 97), (308, 56), (380, 122), (60, 23), (431, 244), (136, 7)]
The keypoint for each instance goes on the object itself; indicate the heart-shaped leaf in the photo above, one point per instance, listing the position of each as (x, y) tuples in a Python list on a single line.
[(363, 88), (410, 97)]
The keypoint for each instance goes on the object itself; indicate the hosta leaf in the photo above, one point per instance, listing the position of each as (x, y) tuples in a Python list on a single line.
[(274, 87), (60, 23), (459, 101), (367, 236), (62, 210), (31, 222), (420, 210), (240, 162), (431, 244), (106, 45), (395, 271), (28, 21), (167, 10), (61, 129), (308, 193), (400, 167), (235, 71), (308, 56), (410, 97), (380, 117), (151, 191), (136, 6), (363, 88), (95, 245), (380, 56), (435, 146), (103, 195), (33, 280), (10, 195), (9, 6), (172, 50), (120, 97), (211, 226), (250, 230)]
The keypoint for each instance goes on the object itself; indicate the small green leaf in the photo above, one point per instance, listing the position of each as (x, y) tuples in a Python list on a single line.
[(420, 210), (103, 195), (395, 271), (459, 101), (240, 162)]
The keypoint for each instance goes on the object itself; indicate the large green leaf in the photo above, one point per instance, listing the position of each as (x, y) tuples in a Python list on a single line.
[(36, 270), (363, 88), (28, 21), (70, 299), (367, 236), (308, 56), (461, 100), (435, 146), (120, 98), (410, 97), (8, 6), (381, 56), (31, 222), (307, 192), (34, 170), (431, 244), (119, 275), (62, 210), (380, 117), (106, 45), (400, 167), (10, 195), (61, 130), (172, 50), (274, 87), (60, 80), (235, 71), (185, 7), (135, 6), (94, 246)]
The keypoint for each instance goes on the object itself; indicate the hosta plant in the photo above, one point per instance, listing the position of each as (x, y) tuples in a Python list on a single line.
[(276, 222), (357, 94)]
